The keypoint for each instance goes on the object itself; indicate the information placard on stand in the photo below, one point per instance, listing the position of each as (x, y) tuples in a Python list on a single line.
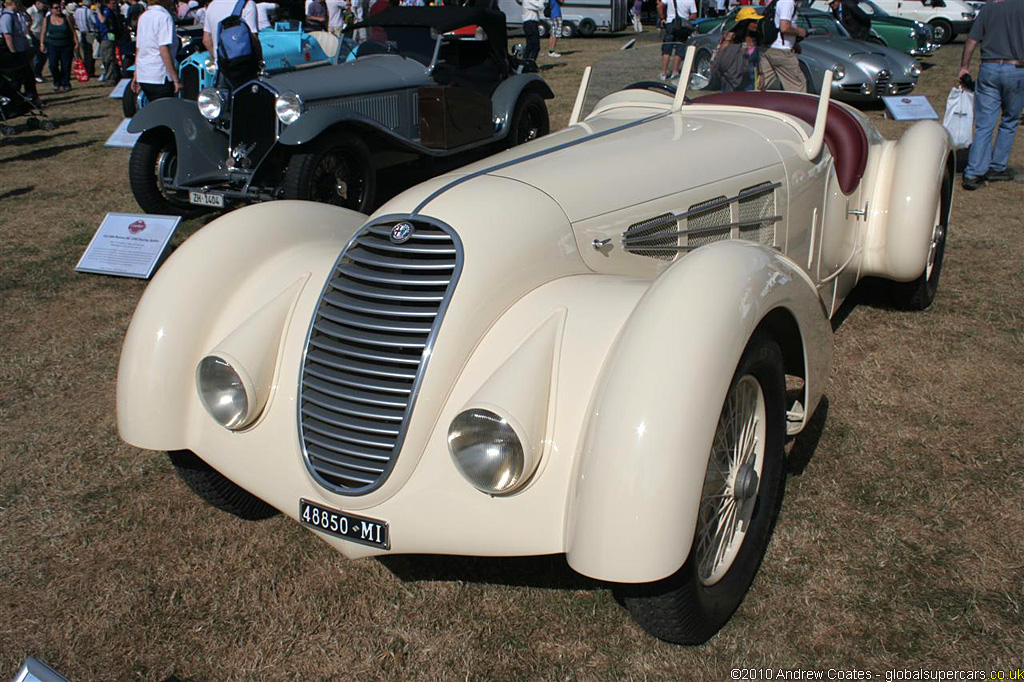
[(909, 108), (118, 90), (121, 137), (128, 245)]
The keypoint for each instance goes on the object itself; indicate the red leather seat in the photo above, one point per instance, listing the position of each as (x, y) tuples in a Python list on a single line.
[(844, 135)]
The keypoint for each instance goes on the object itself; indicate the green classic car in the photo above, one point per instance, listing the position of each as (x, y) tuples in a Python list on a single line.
[(904, 35)]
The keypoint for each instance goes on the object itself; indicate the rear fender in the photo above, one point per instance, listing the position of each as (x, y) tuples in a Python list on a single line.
[(202, 149), (506, 96), (632, 510), (234, 274), (906, 197)]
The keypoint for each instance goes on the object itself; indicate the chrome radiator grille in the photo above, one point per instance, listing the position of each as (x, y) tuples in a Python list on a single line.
[(882, 82), (367, 351), (190, 82)]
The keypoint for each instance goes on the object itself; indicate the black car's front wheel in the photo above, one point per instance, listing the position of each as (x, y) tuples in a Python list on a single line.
[(334, 170), (129, 102), (151, 172), (530, 120)]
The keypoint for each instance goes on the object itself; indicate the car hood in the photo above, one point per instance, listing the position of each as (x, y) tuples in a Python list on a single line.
[(570, 165), (373, 73), (856, 51)]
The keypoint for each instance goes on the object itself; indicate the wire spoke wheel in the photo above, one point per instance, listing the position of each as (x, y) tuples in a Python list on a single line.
[(335, 169), (730, 484), (735, 513), (529, 121), (338, 180)]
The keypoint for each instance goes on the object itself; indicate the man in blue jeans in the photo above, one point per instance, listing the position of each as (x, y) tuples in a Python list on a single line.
[(999, 93)]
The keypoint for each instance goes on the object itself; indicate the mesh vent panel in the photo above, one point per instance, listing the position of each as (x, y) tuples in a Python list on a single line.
[(665, 225), (752, 208), (710, 218)]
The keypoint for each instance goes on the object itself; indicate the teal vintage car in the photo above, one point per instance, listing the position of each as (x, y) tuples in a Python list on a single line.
[(904, 35), (286, 47)]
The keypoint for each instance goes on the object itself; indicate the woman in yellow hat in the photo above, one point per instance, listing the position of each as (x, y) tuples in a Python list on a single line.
[(735, 60)]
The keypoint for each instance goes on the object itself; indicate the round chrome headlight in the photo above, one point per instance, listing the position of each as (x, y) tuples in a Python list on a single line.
[(210, 66), (838, 72), (487, 451), (222, 392), (288, 107), (915, 70), (210, 103)]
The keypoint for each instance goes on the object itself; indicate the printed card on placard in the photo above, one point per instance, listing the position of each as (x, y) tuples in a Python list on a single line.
[(909, 108), (128, 245), (121, 137), (118, 91)]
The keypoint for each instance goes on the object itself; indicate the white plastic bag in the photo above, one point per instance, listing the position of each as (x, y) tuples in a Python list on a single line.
[(959, 117)]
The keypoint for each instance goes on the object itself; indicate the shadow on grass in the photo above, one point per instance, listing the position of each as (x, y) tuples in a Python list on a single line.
[(21, 140), (74, 119), (47, 152), (17, 191), (55, 102), (806, 443), (548, 572)]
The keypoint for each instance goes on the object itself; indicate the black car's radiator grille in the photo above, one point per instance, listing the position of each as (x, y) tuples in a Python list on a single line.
[(368, 348), (190, 82), (253, 124)]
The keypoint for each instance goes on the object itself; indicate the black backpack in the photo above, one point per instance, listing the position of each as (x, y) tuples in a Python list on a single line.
[(238, 51), (767, 31)]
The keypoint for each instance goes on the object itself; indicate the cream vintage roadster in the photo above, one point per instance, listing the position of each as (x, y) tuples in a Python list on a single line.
[(530, 356)]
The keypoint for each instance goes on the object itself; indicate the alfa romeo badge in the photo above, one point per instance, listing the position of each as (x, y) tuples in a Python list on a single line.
[(401, 232)]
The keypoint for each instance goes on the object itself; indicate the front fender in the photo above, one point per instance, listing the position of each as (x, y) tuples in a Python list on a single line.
[(202, 148), (214, 283), (637, 486), (314, 122), (505, 97)]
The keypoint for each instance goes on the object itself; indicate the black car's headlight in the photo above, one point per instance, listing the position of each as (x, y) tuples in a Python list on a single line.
[(288, 106), (210, 103)]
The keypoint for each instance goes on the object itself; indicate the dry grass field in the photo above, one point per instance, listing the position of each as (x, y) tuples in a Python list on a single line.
[(900, 542)]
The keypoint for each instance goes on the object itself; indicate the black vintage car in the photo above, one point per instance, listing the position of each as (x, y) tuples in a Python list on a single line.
[(414, 83)]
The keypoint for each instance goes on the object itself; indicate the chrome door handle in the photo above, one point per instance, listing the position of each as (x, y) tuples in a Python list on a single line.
[(860, 213)]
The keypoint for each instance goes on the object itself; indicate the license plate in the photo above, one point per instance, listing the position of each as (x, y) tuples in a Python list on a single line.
[(344, 525), (206, 199)]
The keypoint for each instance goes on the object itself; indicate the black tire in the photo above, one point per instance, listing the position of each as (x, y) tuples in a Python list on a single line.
[(569, 29), (681, 609), (129, 102), (587, 28), (919, 293), (214, 488), (543, 29), (152, 164), (529, 120), (335, 169), (942, 31)]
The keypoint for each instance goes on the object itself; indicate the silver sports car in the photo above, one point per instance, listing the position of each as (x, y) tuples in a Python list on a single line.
[(861, 71)]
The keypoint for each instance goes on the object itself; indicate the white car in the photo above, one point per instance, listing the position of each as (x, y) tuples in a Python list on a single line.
[(528, 356), (948, 18)]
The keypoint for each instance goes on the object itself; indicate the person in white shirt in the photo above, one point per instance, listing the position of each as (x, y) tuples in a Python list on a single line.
[(673, 39), (263, 10), (219, 10), (336, 15), (86, 37), (532, 10), (155, 72), (200, 15), (779, 60)]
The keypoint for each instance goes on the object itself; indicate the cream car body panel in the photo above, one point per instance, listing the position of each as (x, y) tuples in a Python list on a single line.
[(614, 363)]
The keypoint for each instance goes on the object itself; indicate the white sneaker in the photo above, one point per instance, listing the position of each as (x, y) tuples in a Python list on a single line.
[(662, 77), (553, 54)]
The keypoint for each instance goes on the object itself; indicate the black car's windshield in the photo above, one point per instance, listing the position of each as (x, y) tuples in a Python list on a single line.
[(412, 42)]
